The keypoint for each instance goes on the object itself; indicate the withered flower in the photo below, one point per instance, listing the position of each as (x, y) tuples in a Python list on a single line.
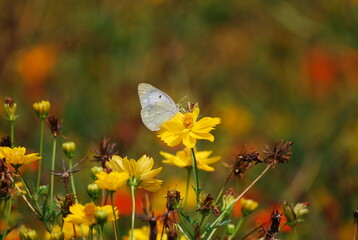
[(244, 161), (5, 180), (207, 204), (5, 141), (280, 152), (104, 152), (55, 125), (275, 221), (173, 200), (65, 203), (65, 175)]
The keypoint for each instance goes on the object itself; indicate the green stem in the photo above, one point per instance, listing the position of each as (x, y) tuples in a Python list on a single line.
[(40, 160), (187, 186), (12, 126), (236, 228), (196, 176), (72, 180), (7, 219), (52, 169), (133, 212), (90, 233), (294, 232), (116, 232), (101, 231), (222, 215)]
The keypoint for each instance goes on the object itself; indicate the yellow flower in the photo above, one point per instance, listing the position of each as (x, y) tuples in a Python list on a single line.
[(67, 229), (86, 214), (183, 159), (186, 129), (248, 206), (42, 108), (143, 234), (17, 157), (140, 172), (111, 181)]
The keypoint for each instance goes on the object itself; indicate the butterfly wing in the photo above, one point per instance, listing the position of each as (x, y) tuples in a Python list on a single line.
[(150, 95), (154, 115)]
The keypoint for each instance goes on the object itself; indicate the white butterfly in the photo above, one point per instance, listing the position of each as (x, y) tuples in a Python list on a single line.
[(157, 106)]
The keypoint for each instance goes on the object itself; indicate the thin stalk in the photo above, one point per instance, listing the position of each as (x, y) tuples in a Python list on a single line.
[(101, 231), (187, 186), (41, 146), (52, 169), (355, 231), (72, 180), (236, 228), (196, 176), (116, 232), (12, 133), (133, 212), (90, 233), (7, 219), (222, 215), (295, 234)]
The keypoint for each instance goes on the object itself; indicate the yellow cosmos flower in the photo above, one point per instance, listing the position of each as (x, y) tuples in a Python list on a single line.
[(111, 181), (17, 157), (86, 214), (183, 159), (140, 172), (248, 206), (186, 129)]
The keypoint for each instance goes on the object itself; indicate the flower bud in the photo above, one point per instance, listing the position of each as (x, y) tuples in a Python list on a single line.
[(43, 190), (95, 170), (93, 191), (230, 229), (10, 108), (42, 108), (57, 236), (228, 201), (101, 216), (69, 149), (287, 210), (248, 206), (27, 234)]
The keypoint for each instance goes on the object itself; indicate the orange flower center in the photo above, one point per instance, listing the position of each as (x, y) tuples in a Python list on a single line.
[(90, 210), (188, 120)]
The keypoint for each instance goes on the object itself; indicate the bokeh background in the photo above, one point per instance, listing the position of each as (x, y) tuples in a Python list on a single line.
[(269, 69)]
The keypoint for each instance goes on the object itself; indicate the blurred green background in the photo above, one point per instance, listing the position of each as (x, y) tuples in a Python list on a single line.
[(269, 69)]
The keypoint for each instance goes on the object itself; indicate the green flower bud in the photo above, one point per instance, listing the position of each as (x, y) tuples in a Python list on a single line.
[(69, 149), (27, 234), (10, 109), (93, 191), (43, 190), (57, 236), (42, 108), (101, 216), (230, 229), (95, 170)]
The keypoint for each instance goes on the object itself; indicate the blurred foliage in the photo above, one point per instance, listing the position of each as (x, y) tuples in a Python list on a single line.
[(269, 69)]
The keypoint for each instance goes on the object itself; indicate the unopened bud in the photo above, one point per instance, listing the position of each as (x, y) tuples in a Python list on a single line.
[(230, 229), (101, 216), (57, 236), (27, 234), (10, 108), (248, 206), (43, 190), (93, 191), (69, 149), (42, 108), (95, 170)]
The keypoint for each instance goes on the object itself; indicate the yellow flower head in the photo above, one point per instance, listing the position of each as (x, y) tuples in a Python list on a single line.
[(143, 233), (17, 157), (42, 108), (140, 172), (86, 214), (111, 181), (248, 206), (186, 129), (183, 159)]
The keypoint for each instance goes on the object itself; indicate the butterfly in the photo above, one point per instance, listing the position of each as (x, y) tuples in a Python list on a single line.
[(157, 106)]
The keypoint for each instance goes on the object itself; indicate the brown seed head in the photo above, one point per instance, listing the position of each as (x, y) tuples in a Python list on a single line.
[(65, 203), (207, 204), (6, 174), (5, 141), (55, 125), (280, 152), (244, 161), (104, 152), (173, 199)]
